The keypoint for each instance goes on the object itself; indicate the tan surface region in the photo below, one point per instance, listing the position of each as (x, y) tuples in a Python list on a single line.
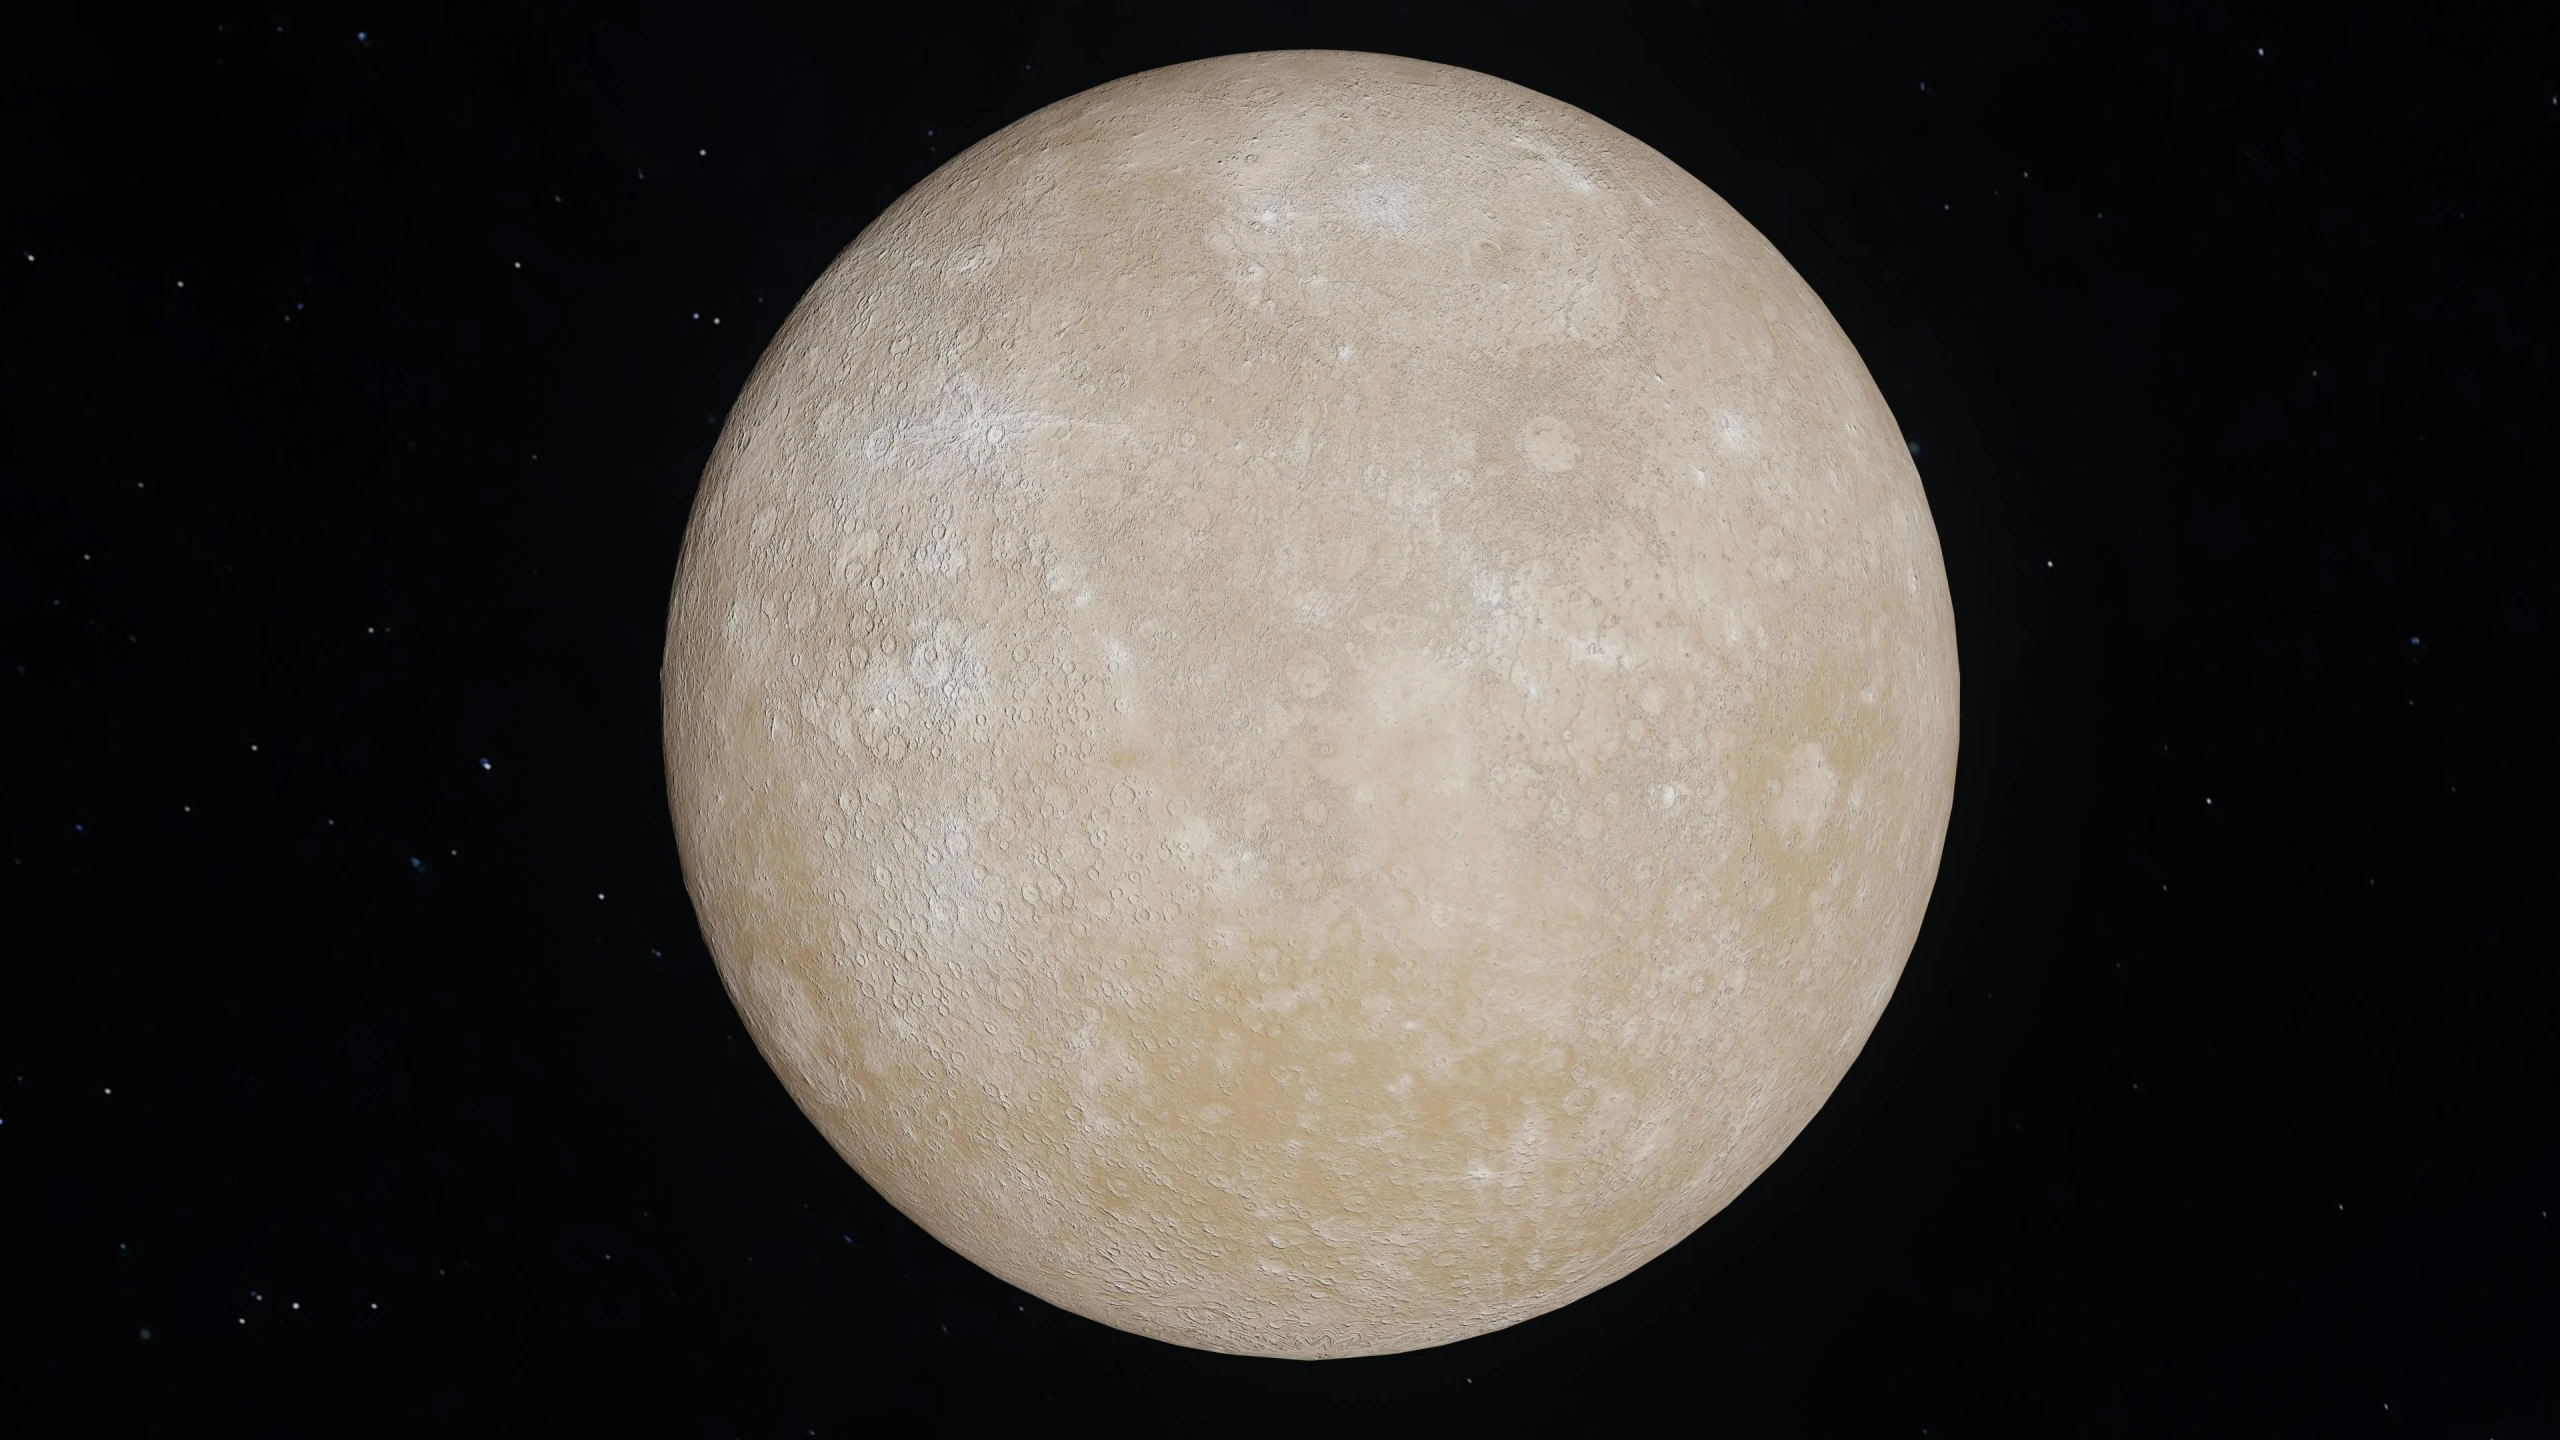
[(1311, 704)]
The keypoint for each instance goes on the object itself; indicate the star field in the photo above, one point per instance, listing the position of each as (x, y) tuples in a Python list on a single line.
[(360, 1064)]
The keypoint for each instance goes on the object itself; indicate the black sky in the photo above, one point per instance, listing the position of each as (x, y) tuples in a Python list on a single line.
[(361, 1068)]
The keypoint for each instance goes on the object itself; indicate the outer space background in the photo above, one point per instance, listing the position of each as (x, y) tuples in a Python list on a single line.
[(362, 1070)]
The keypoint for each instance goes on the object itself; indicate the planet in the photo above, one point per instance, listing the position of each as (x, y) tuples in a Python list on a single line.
[(1310, 704)]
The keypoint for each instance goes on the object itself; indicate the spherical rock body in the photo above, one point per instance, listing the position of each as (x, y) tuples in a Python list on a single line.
[(1310, 704)]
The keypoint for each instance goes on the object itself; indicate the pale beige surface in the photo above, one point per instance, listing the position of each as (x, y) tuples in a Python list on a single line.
[(1311, 704)]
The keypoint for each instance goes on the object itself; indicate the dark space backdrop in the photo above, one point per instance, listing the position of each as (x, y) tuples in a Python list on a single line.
[(361, 1068)]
